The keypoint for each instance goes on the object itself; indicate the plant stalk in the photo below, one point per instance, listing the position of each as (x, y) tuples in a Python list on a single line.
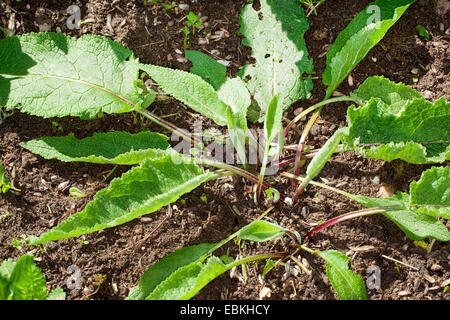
[(298, 155), (247, 175), (256, 258), (167, 125), (316, 106), (343, 217)]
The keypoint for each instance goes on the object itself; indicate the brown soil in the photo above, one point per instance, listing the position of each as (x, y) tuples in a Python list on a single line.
[(113, 260)]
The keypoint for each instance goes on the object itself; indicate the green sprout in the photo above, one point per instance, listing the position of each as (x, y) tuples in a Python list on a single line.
[(423, 32), (76, 193), (192, 21)]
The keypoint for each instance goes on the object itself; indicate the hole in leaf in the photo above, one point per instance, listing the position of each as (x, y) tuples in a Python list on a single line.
[(256, 5)]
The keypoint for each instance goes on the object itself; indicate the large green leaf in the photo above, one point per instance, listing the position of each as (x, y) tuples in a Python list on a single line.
[(356, 40), (5, 290), (50, 74), (273, 128), (260, 231), (348, 285), (112, 147), (275, 34), (396, 95), (415, 214), (184, 283), (25, 281), (431, 194), (206, 67), (161, 270), (183, 273), (190, 89), (416, 132), (142, 190), (234, 93), (6, 268), (416, 224)]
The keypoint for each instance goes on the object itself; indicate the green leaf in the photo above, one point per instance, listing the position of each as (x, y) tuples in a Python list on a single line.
[(190, 89), (416, 132), (356, 40), (418, 226), (161, 270), (184, 283), (260, 231), (5, 184), (396, 95), (6, 268), (112, 147), (415, 224), (273, 127), (348, 285), (273, 119), (27, 281), (234, 93), (270, 264), (192, 17), (53, 75), (5, 290), (206, 67), (57, 294), (321, 158), (423, 32), (431, 194), (275, 34), (76, 193), (142, 190)]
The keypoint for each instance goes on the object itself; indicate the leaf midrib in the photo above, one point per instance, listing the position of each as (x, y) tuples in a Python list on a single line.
[(84, 82)]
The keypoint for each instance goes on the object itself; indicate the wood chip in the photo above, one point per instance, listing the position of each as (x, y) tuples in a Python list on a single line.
[(386, 191), (12, 24), (63, 186), (265, 293), (181, 59), (429, 278), (338, 94), (350, 80), (298, 111), (445, 283), (404, 293), (362, 248), (108, 24), (202, 41), (434, 288)]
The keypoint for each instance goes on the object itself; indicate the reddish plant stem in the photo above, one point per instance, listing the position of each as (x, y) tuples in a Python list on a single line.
[(299, 151), (298, 158), (346, 216)]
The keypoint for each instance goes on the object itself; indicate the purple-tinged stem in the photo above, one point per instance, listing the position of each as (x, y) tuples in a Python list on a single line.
[(346, 216), (298, 155)]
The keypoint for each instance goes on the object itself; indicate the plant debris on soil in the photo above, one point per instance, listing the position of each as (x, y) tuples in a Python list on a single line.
[(113, 260)]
